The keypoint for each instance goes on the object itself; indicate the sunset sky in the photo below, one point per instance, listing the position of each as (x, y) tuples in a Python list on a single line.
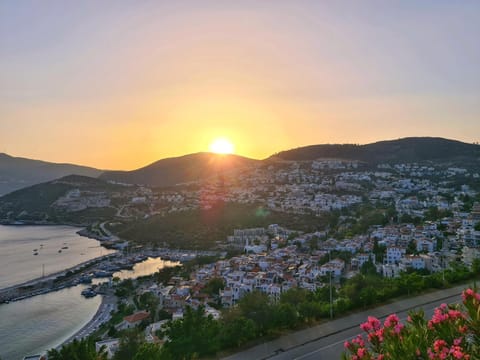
[(120, 84)]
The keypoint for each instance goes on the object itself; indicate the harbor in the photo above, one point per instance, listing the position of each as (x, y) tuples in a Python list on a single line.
[(102, 267)]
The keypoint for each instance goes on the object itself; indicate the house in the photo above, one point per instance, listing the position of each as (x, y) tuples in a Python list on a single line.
[(133, 320), (425, 245), (110, 345), (151, 330), (412, 262), (394, 254), (390, 271)]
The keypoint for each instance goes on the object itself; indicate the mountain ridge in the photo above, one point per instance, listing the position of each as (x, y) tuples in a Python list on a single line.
[(17, 172), (409, 149), (20, 172), (181, 169)]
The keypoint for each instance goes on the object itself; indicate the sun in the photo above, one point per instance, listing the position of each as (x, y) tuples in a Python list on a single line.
[(222, 146)]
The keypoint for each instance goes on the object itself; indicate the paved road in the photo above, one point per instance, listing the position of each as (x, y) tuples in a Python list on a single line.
[(325, 341), (102, 315)]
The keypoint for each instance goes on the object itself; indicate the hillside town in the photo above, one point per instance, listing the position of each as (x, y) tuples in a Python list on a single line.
[(434, 224), (391, 220)]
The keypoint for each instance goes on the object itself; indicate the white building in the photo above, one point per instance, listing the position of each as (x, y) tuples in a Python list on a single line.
[(394, 254)]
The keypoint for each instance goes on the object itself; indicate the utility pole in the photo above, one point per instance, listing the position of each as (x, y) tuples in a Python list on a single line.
[(43, 270), (331, 296), (330, 276)]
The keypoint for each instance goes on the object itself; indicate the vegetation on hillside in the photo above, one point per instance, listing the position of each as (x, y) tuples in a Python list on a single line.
[(200, 229), (401, 150)]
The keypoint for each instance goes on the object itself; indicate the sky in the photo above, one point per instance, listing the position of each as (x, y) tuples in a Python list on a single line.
[(119, 84)]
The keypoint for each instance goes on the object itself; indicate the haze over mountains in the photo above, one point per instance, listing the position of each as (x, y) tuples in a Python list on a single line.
[(412, 149), (181, 169), (16, 173)]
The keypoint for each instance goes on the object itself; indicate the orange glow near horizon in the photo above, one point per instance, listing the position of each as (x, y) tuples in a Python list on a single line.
[(267, 76), (222, 146)]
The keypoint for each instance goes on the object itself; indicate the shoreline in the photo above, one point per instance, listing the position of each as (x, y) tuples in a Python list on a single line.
[(106, 306), (52, 276)]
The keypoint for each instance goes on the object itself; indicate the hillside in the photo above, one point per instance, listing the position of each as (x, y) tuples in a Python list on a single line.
[(413, 149), (200, 228), (16, 172), (181, 169), (71, 199)]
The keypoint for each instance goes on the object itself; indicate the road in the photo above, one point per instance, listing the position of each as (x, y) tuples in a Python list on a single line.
[(325, 341), (102, 316)]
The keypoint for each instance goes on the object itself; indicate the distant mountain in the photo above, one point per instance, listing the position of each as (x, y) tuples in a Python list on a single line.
[(71, 199), (412, 149), (181, 169), (16, 172)]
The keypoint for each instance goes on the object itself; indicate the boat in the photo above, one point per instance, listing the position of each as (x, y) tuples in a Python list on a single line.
[(89, 292), (102, 273), (85, 279), (35, 253), (65, 247), (60, 250)]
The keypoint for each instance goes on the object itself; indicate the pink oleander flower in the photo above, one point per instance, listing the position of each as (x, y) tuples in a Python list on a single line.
[(358, 341), (346, 345), (379, 334), (439, 344), (468, 294), (454, 314), (366, 326), (391, 320), (456, 351), (398, 328), (463, 329), (361, 352)]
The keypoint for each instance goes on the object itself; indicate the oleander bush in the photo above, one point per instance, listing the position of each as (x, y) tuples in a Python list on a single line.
[(453, 332)]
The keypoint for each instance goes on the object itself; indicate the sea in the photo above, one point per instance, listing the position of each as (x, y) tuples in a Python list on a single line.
[(57, 248), (34, 325)]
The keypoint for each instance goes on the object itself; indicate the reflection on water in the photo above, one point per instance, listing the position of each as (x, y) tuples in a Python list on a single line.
[(57, 248), (39, 323), (147, 267), (144, 268)]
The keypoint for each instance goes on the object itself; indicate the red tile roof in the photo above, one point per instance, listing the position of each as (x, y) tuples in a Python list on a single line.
[(139, 316)]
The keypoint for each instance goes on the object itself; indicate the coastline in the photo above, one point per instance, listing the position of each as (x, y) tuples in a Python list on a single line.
[(101, 316), (50, 277)]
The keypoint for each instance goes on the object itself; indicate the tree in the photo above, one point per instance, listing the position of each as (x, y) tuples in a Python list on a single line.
[(129, 345), (149, 302), (78, 350), (294, 296), (213, 286), (285, 316), (368, 268), (476, 267), (149, 352), (193, 336), (237, 331), (412, 247), (256, 306)]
